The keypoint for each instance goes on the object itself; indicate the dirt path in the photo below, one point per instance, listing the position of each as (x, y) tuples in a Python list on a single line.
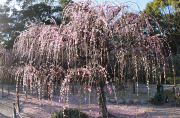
[(6, 106), (33, 108), (6, 102)]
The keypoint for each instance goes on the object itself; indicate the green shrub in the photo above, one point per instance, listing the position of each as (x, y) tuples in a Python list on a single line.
[(168, 93), (178, 96), (171, 80), (69, 113)]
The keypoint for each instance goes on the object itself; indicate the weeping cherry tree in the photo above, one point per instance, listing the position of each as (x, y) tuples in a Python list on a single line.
[(79, 50)]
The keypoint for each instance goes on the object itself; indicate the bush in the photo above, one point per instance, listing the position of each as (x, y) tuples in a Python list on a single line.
[(170, 80), (69, 113), (168, 93)]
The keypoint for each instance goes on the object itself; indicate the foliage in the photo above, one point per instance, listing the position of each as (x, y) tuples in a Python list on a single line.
[(172, 80), (69, 113), (174, 60), (64, 3), (178, 96), (167, 92), (5, 56), (5, 64), (12, 23), (40, 12), (170, 94), (5, 20), (167, 13), (79, 34)]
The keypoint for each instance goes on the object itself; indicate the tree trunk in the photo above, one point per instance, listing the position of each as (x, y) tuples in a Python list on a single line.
[(102, 103)]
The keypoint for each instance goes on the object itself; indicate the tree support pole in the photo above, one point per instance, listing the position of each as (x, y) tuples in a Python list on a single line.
[(8, 90), (14, 110), (18, 108), (2, 91)]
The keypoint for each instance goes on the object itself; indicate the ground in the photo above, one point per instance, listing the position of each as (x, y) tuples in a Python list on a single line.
[(33, 108)]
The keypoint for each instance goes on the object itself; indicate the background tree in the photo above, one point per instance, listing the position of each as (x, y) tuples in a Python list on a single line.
[(80, 50), (40, 12), (18, 19), (5, 21), (63, 3), (167, 13), (5, 64)]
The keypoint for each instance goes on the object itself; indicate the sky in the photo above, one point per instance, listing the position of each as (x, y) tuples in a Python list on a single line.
[(2, 1), (141, 3)]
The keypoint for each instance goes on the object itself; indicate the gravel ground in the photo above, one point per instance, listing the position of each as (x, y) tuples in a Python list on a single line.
[(33, 108)]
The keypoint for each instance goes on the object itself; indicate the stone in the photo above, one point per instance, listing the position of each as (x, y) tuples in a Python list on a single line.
[(144, 101), (135, 101), (128, 101), (120, 101), (112, 100)]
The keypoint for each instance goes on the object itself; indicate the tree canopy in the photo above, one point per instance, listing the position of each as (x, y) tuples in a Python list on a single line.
[(5, 20), (82, 49), (18, 20), (167, 12), (63, 3)]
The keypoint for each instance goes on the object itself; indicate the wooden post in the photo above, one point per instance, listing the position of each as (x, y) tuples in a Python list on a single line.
[(56, 83), (31, 90), (18, 108), (167, 99), (9, 82), (173, 92), (36, 92), (8, 90), (14, 110), (54, 89), (26, 92), (2, 92)]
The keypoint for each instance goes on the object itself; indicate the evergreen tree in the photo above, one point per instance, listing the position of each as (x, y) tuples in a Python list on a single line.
[(18, 20), (167, 13)]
